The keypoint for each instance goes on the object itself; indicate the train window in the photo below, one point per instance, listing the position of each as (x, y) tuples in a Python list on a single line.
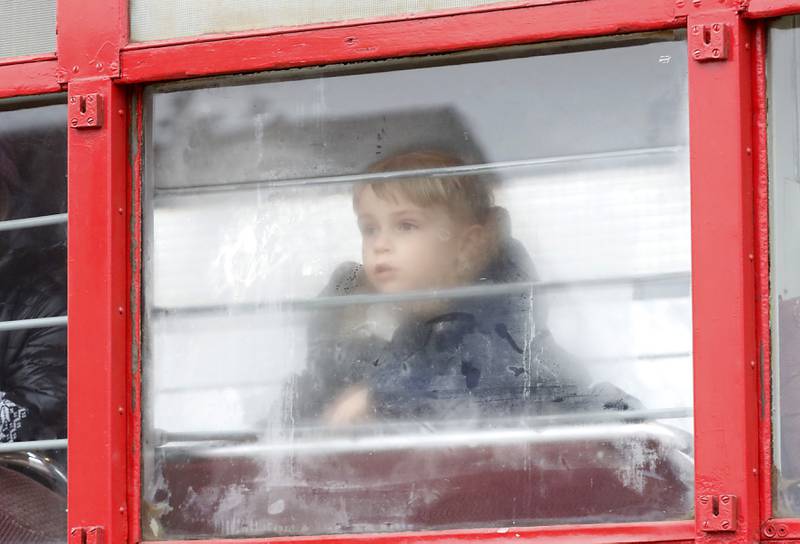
[(784, 69), (27, 28), (157, 19), (33, 306), (420, 294)]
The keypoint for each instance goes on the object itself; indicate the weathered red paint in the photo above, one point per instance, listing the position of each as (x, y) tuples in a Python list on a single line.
[(28, 78), (135, 275), (761, 171), (758, 9), (90, 35), (98, 306), (378, 40), (654, 533), (723, 279)]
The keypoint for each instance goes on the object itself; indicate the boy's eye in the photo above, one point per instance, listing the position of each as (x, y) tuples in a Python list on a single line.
[(368, 230), (407, 226)]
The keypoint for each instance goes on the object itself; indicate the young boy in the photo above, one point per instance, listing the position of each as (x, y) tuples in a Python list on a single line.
[(458, 357)]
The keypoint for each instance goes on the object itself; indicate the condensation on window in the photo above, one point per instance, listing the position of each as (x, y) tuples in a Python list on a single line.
[(159, 19), (783, 77), (27, 27), (406, 296)]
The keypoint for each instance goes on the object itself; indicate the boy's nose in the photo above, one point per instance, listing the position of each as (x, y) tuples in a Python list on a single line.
[(383, 243)]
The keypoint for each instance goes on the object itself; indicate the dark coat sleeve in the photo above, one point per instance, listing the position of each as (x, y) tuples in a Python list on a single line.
[(33, 369)]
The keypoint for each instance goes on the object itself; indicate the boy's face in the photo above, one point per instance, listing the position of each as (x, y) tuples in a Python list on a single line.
[(406, 247)]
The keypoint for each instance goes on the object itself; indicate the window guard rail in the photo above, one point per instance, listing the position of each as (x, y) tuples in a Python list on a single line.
[(33, 222), (37, 323), (33, 445)]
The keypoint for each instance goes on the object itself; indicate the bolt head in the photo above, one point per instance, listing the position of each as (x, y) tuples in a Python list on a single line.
[(90, 120), (75, 69), (725, 524), (716, 27), (696, 53), (715, 53), (695, 29), (725, 499), (704, 499), (74, 122)]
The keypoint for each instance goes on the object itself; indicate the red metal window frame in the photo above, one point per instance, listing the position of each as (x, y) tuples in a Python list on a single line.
[(729, 230)]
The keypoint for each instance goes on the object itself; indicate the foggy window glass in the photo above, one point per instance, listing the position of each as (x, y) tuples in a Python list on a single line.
[(165, 19), (440, 293), (783, 78)]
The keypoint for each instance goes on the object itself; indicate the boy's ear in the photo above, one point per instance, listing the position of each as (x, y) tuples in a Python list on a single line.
[(473, 250)]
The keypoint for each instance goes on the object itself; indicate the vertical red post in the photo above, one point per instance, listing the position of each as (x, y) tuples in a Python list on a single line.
[(723, 281), (90, 36), (98, 312)]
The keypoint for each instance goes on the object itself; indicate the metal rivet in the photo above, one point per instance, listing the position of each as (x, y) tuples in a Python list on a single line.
[(750, 256), (748, 150), (120, 310), (75, 69), (99, 66), (752, 365), (119, 211), (695, 29), (120, 410)]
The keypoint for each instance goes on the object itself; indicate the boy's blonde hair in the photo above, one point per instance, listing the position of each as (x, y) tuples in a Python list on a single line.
[(466, 196)]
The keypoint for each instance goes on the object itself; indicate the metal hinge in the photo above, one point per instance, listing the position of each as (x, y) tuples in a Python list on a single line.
[(709, 42), (86, 111), (87, 535), (717, 513)]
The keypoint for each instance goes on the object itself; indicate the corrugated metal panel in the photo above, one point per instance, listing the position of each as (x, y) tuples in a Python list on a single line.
[(164, 19), (27, 27)]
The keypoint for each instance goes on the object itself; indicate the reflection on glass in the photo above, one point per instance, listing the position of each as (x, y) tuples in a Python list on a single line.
[(784, 68), (416, 296)]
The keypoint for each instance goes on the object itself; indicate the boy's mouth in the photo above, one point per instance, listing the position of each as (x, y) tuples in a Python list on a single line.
[(383, 269)]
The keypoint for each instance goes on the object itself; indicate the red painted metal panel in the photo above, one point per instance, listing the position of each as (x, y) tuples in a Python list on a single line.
[(90, 35), (28, 78), (672, 532), (723, 280), (772, 8), (780, 530), (379, 40), (98, 303)]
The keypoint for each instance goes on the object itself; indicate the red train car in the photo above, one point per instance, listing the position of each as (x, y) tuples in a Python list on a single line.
[(408, 271)]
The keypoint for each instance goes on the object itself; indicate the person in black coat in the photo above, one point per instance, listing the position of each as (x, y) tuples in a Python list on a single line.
[(476, 349), (33, 362)]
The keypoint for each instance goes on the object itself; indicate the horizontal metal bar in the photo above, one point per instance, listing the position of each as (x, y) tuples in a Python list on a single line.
[(426, 172), (472, 291), (607, 426), (34, 445), (38, 323), (33, 222)]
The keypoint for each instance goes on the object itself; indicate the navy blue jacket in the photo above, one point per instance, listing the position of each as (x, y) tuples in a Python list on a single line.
[(485, 356)]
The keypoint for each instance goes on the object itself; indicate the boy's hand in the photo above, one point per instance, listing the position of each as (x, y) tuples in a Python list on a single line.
[(352, 406)]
